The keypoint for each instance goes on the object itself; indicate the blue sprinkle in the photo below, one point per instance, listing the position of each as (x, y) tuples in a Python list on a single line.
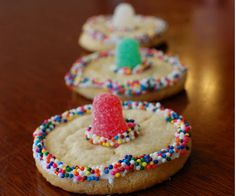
[(179, 147), (57, 118), (126, 156), (155, 161), (109, 85), (79, 113)]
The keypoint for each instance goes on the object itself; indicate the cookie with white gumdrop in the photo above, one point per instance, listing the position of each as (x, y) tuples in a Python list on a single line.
[(103, 32), (130, 72), (111, 146)]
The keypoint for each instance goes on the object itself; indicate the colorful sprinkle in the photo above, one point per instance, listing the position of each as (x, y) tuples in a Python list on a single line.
[(130, 134), (111, 37), (75, 79)]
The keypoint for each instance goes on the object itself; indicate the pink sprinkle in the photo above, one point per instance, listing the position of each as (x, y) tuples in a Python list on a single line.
[(186, 140), (130, 124), (54, 165), (78, 178)]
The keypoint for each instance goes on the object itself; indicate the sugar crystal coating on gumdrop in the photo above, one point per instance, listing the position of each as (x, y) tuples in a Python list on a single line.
[(128, 54), (107, 116)]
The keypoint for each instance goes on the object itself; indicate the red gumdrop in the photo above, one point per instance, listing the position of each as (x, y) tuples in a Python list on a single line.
[(108, 119)]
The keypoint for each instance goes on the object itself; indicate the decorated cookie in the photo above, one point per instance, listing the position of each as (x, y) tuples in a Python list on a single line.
[(111, 147), (129, 72), (103, 32)]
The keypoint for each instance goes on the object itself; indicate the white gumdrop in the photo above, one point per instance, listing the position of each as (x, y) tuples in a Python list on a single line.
[(123, 16)]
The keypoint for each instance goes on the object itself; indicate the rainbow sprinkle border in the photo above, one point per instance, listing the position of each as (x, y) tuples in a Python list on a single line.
[(129, 163), (100, 36), (130, 134), (74, 78)]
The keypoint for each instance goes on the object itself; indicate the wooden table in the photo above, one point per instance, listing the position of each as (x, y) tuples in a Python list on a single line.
[(38, 44)]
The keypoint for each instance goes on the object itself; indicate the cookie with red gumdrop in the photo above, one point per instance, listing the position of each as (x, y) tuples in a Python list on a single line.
[(108, 119), (73, 150)]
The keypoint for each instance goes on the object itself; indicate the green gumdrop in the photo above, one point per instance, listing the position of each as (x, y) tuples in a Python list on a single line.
[(128, 54)]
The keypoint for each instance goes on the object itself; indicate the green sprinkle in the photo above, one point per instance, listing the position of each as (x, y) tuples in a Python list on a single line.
[(68, 169), (88, 169)]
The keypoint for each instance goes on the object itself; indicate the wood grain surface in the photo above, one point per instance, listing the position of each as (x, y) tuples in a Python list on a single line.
[(38, 44)]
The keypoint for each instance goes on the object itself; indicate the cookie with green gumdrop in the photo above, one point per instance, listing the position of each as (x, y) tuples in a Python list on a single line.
[(128, 54)]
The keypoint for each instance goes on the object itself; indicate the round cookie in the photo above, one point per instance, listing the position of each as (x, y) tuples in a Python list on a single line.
[(157, 77), (103, 32), (67, 158)]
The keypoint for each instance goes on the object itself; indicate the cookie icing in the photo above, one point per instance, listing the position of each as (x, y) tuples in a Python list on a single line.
[(118, 168), (76, 79)]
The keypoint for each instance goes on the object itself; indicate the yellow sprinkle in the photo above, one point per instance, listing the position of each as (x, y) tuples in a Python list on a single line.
[(43, 150), (144, 164), (119, 141), (151, 163), (117, 175), (138, 160), (87, 173)]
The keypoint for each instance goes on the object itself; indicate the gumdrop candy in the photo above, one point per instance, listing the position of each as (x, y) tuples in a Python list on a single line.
[(108, 120), (128, 54), (123, 16)]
